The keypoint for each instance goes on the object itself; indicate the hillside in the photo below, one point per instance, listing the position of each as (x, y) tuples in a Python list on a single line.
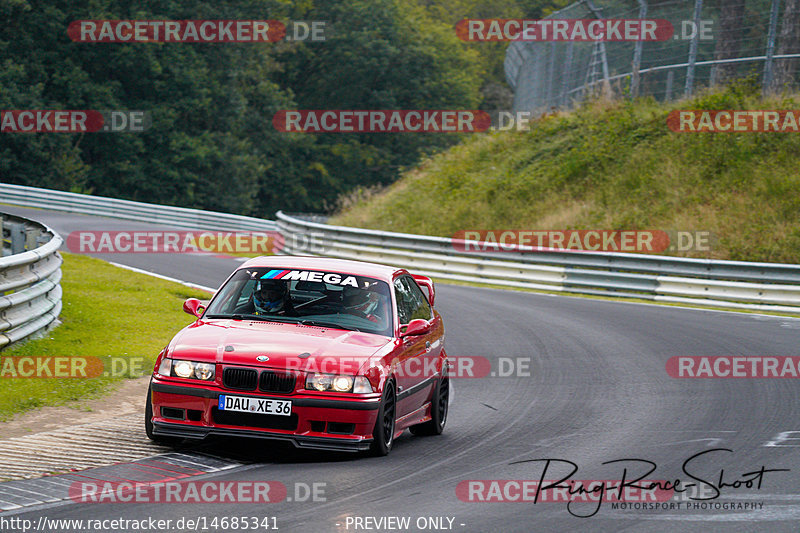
[(612, 166)]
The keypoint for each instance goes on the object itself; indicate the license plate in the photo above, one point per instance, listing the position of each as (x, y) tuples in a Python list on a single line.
[(259, 406)]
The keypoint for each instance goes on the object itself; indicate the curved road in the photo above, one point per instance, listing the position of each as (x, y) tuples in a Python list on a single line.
[(597, 391)]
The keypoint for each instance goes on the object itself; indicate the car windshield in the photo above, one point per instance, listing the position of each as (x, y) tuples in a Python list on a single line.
[(308, 297)]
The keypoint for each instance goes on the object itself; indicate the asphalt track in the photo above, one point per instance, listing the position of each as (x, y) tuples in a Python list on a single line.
[(597, 391)]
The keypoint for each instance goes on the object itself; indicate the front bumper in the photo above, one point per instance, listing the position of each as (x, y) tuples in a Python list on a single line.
[(333, 424)]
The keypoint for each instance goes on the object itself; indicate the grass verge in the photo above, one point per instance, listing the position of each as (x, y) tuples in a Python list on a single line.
[(615, 166), (108, 312)]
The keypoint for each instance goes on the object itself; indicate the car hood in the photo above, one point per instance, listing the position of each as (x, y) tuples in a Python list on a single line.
[(287, 346)]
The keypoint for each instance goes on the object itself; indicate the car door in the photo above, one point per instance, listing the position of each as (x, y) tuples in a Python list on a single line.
[(434, 341), (416, 358)]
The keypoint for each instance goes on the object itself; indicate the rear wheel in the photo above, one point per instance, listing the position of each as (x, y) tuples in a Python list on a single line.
[(148, 425), (383, 434), (439, 405)]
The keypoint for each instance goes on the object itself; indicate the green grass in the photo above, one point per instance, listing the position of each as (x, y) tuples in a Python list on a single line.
[(107, 312), (610, 165)]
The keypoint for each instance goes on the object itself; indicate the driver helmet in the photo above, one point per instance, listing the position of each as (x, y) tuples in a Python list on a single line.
[(365, 300), (269, 295), (353, 296)]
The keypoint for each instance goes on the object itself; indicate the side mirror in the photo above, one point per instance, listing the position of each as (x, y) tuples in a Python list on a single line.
[(194, 307), (418, 326), (425, 281)]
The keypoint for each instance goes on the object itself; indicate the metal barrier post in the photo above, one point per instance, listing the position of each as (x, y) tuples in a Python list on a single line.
[(698, 7), (17, 234), (565, 74), (766, 85), (637, 53)]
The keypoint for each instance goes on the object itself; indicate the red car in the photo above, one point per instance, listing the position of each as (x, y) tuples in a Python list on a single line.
[(324, 353)]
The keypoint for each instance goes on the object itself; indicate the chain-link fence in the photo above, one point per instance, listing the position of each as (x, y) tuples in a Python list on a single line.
[(713, 43)]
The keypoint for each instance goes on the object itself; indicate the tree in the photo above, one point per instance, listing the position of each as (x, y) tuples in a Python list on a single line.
[(786, 69), (212, 144), (729, 38), (381, 54)]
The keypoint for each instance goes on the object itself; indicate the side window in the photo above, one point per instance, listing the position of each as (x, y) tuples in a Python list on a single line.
[(405, 306), (232, 296), (420, 306), (411, 301)]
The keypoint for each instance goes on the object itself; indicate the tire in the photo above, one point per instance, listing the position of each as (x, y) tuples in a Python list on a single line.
[(439, 407), (148, 425), (383, 434)]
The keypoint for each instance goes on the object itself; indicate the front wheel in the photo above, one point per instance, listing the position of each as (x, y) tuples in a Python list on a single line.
[(148, 425), (383, 434), (439, 405)]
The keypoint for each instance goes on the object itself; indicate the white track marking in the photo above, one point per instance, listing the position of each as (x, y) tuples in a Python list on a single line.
[(166, 278)]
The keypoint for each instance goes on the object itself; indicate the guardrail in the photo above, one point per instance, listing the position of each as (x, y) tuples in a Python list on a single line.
[(30, 271), (735, 284), (125, 209)]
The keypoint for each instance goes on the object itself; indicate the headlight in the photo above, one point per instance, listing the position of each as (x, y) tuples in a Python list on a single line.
[(319, 382), (342, 383), (204, 371), (183, 369), (331, 382), (187, 369)]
